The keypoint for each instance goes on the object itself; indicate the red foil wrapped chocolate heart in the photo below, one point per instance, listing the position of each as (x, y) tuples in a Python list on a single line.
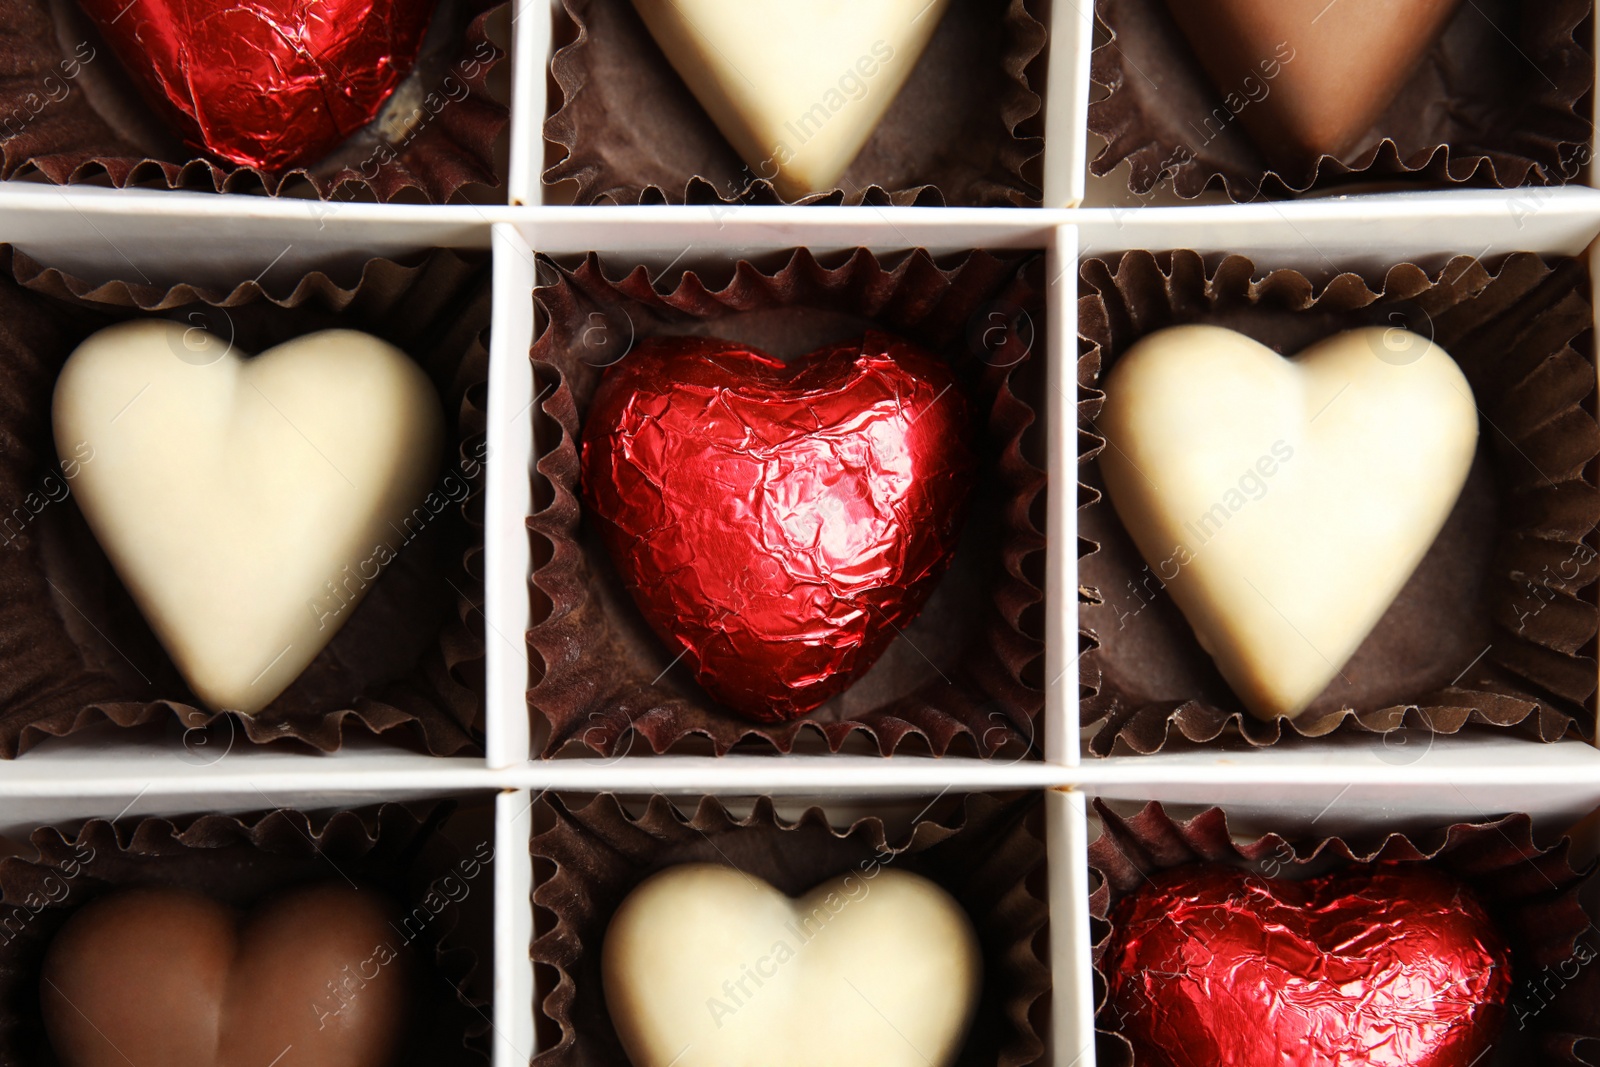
[(270, 84), (778, 525), (1392, 965)]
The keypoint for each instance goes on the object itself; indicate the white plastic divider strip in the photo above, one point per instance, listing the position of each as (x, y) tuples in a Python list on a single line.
[(515, 1039), (1372, 230), (162, 237), (674, 232), (1066, 111), (1594, 295), (1071, 955), (532, 46), (1407, 758), (1406, 779), (224, 239), (1061, 742), (140, 778), (790, 775), (1366, 232), (507, 563), (1591, 171), (1494, 772)]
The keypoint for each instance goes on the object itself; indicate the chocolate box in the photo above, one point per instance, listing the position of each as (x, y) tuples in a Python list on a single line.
[(1401, 776)]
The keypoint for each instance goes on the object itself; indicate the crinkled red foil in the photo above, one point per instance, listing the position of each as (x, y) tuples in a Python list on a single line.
[(270, 84), (778, 526), (1392, 965)]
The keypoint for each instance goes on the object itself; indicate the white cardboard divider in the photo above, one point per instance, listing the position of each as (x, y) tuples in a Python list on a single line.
[(1342, 232), (1061, 522), (508, 500), (515, 1041), (532, 45), (1071, 959), (162, 238), (1404, 781), (796, 774), (1066, 111), (670, 233)]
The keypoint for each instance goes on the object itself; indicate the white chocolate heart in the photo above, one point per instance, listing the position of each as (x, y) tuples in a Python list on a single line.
[(796, 88), (247, 504), (705, 966), (1285, 502)]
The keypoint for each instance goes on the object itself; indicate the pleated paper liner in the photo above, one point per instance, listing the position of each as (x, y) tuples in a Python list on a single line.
[(591, 852), (1501, 101), (70, 115), (1532, 892), (247, 859), (1497, 626), (1566, 998), (965, 677), (74, 649), (965, 130)]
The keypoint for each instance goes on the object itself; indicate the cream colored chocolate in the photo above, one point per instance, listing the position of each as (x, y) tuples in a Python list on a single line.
[(796, 88), (707, 967), (1285, 502), (247, 504)]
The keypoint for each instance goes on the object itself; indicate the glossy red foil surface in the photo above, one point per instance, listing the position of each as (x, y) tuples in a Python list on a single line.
[(1394, 965), (778, 525), (271, 84)]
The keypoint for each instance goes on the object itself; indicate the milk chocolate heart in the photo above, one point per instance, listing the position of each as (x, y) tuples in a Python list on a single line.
[(1396, 965), (705, 966), (1285, 502), (795, 88), (1309, 77), (778, 525), (271, 84), (247, 505), (316, 978)]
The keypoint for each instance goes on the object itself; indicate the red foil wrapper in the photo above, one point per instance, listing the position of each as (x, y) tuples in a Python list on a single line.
[(270, 84), (1391, 965), (778, 525)]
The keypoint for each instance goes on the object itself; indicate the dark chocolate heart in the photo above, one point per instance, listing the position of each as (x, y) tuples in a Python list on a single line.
[(270, 84), (316, 978), (778, 525), (1395, 965), (1308, 77)]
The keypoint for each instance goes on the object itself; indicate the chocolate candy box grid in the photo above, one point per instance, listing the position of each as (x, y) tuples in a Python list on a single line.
[(1347, 784)]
